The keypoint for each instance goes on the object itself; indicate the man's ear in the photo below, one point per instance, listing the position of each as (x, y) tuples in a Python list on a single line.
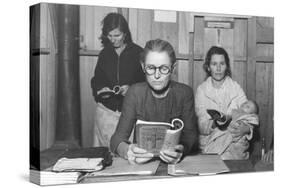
[(142, 66), (174, 66)]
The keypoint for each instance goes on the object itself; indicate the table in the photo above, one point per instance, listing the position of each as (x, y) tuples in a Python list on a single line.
[(50, 156)]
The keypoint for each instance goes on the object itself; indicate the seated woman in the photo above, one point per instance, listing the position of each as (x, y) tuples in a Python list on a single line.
[(158, 99), (221, 93)]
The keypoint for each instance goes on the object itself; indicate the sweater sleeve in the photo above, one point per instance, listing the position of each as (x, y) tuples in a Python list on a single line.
[(126, 121), (189, 137), (204, 122), (139, 74), (99, 80)]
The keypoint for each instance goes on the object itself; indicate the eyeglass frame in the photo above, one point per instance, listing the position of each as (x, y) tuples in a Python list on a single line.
[(159, 68)]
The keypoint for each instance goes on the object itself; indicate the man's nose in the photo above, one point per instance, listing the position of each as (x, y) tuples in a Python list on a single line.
[(157, 74)]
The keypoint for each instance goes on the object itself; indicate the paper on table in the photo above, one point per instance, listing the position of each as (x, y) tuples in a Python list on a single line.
[(78, 164), (199, 165), (122, 167)]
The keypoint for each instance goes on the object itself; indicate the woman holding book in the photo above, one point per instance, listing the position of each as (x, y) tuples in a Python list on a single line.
[(159, 99), (117, 68), (221, 93)]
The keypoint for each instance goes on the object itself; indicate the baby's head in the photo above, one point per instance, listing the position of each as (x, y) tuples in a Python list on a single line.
[(250, 107)]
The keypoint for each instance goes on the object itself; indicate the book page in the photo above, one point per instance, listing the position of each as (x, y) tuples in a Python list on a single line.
[(122, 167)]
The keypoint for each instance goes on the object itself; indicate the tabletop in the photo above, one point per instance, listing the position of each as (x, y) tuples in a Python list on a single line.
[(50, 156)]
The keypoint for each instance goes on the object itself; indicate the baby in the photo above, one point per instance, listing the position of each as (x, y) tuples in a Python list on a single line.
[(221, 140), (246, 113)]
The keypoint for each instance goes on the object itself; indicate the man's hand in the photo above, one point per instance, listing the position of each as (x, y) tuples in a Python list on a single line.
[(172, 156), (124, 89), (138, 155)]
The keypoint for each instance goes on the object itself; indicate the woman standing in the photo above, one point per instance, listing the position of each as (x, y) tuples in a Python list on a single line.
[(117, 68), (221, 93)]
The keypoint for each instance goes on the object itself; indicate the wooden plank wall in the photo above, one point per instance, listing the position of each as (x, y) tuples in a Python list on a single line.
[(47, 79), (191, 40), (265, 76), (90, 31)]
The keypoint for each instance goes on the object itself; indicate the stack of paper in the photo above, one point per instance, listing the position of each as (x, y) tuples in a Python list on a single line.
[(53, 178), (78, 164), (199, 165)]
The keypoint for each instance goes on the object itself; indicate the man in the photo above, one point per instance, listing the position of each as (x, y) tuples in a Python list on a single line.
[(157, 99)]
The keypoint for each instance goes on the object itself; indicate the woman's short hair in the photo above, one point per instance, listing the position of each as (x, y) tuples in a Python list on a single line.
[(111, 22), (220, 51), (158, 45)]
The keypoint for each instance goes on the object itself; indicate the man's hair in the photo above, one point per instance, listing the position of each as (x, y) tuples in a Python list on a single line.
[(220, 51), (158, 45), (111, 22)]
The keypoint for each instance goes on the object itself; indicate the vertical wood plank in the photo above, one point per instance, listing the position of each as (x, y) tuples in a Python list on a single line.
[(144, 26), (82, 26), (199, 74), (270, 126), (88, 104), (43, 103), (191, 60), (240, 39), (133, 23), (251, 63), (227, 41), (184, 25), (91, 39), (262, 93), (47, 79), (198, 37), (51, 79), (184, 71), (239, 73)]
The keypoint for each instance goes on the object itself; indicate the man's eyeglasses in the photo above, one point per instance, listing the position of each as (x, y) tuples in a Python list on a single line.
[(151, 69)]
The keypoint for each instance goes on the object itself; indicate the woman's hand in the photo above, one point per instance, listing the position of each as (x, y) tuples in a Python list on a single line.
[(138, 155), (268, 157), (103, 90), (172, 156), (238, 129)]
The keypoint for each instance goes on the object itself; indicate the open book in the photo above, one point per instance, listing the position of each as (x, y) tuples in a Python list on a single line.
[(121, 167), (102, 95), (205, 164), (156, 136)]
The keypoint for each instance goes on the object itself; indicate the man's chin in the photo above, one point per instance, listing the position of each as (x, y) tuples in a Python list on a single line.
[(157, 88)]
